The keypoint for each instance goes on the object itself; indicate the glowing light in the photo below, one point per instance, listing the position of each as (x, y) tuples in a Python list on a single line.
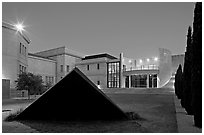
[(140, 61), (99, 86), (130, 61), (156, 59), (148, 60), (19, 27)]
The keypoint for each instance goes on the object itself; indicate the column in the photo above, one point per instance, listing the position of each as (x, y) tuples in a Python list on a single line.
[(147, 80), (129, 81), (121, 70)]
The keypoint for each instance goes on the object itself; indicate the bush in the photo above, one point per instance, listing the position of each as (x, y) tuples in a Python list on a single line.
[(12, 116), (134, 116)]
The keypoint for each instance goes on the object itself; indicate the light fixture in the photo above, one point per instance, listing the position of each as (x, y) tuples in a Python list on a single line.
[(130, 61), (19, 27), (148, 60), (140, 61), (156, 59)]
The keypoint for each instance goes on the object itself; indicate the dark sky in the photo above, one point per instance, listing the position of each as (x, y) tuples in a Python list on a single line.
[(136, 29)]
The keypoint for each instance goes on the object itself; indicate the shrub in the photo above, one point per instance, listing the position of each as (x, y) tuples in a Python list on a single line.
[(12, 116)]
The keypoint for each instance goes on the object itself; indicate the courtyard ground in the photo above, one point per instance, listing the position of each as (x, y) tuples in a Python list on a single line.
[(155, 106)]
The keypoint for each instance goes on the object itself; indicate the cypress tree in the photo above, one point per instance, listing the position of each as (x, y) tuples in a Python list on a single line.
[(178, 82), (196, 77), (187, 94)]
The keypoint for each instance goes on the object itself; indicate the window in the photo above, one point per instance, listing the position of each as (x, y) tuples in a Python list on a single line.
[(20, 47), (67, 68), (98, 82), (113, 77), (52, 80), (46, 79), (25, 51), (61, 68), (98, 66), (19, 69), (87, 67), (124, 67)]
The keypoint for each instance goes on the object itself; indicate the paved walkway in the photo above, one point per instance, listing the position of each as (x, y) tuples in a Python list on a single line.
[(184, 122)]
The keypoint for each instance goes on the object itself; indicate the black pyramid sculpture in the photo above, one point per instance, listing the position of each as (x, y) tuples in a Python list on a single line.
[(75, 97)]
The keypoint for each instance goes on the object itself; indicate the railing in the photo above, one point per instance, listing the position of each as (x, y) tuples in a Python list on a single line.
[(142, 67)]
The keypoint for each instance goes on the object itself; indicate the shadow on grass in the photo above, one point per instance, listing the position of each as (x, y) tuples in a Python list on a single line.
[(123, 126), (131, 125)]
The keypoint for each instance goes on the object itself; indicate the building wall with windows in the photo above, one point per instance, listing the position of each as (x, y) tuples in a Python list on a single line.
[(14, 53), (95, 70), (65, 59), (44, 67), (104, 70)]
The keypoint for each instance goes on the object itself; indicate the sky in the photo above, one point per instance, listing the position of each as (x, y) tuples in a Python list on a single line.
[(137, 29)]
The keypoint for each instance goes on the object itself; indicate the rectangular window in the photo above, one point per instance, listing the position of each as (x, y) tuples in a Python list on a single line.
[(67, 68), (19, 69), (98, 66), (20, 48), (61, 68), (113, 70), (52, 80), (46, 79), (25, 51), (87, 67)]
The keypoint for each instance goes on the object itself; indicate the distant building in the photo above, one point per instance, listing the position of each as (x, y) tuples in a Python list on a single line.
[(95, 68), (65, 60), (105, 70), (176, 61), (42, 66)]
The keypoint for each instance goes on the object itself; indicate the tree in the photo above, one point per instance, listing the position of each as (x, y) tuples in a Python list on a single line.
[(178, 82), (47, 86), (196, 71), (30, 82), (186, 101)]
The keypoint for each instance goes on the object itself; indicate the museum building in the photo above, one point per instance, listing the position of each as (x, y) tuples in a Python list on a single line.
[(105, 70)]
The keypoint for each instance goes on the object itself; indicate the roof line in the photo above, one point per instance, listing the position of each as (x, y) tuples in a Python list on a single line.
[(35, 55), (50, 49), (12, 27)]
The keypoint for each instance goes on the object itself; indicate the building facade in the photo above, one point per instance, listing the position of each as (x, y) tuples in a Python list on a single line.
[(44, 67), (14, 53), (65, 60), (104, 70), (95, 68), (107, 71)]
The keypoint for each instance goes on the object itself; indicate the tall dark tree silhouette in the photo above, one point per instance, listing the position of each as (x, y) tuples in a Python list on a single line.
[(187, 94), (196, 77), (178, 82)]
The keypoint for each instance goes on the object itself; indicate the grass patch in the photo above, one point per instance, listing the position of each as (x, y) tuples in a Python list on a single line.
[(12, 116), (134, 116)]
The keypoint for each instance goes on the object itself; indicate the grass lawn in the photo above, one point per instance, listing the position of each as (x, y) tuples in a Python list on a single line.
[(157, 110)]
